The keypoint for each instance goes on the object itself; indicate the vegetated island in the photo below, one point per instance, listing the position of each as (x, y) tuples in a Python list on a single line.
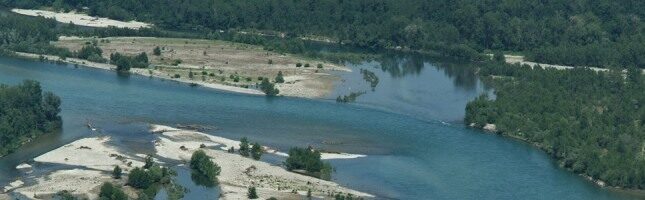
[(26, 112), (590, 121), (233, 165)]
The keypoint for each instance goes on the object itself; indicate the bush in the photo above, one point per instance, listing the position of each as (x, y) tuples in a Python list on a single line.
[(149, 162), (268, 88), (244, 147), (116, 173), (307, 65), (156, 51), (319, 66), (256, 151), (279, 78), (298, 64), (252, 194), (110, 192)]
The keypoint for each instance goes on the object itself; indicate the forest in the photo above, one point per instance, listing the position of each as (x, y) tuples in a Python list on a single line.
[(26, 112), (601, 33), (591, 122)]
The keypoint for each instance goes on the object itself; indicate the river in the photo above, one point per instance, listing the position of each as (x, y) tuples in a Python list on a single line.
[(409, 127)]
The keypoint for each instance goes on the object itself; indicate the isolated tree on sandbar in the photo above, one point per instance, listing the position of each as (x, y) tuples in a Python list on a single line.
[(244, 147), (116, 173), (252, 194), (256, 151)]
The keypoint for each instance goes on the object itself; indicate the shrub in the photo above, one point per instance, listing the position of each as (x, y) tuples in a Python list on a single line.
[(156, 51), (256, 151), (279, 78), (319, 66), (268, 88), (244, 147), (307, 65), (298, 64), (252, 194), (116, 173)]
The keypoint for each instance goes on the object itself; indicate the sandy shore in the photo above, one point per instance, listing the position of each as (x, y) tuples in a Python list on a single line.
[(92, 160), (239, 173), (82, 19), (225, 144), (143, 72)]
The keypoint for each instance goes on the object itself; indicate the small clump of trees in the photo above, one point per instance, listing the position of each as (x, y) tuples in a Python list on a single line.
[(254, 151), (125, 63), (204, 170), (268, 88), (308, 159)]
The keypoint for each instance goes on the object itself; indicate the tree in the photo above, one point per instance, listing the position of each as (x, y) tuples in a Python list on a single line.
[(149, 162), (203, 166), (116, 173), (279, 78), (268, 88), (156, 51), (110, 192), (499, 57), (256, 151), (244, 147), (252, 194)]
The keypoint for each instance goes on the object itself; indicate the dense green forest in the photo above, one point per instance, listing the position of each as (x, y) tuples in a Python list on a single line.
[(592, 122), (594, 33), (25, 113)]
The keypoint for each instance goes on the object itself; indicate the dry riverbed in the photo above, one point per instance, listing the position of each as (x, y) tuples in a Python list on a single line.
[(219, 64), (89, 162)]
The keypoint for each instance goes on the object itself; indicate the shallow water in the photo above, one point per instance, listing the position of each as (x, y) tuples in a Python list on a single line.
[(412, 152)]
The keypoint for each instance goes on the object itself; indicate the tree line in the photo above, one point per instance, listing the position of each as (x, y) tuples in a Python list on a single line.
[(579, 29), (591, 122)]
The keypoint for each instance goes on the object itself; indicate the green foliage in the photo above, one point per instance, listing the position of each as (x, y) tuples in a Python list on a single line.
[(268, 88), (26, 112), (597, 33), (252, 194), (592, 122), (92, 53), (298, 64), (309, 160), (124, 63), (111, 192), (498, 56), (256, 151), (319, 66), (244, 147), (202, 166), (156, 51), (149, 162), (116, 172), (279, 78)]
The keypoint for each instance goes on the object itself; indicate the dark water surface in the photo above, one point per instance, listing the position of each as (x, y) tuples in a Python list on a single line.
[(409, 128)]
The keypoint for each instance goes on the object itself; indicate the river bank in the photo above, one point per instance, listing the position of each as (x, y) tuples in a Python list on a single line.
[(491, 128)]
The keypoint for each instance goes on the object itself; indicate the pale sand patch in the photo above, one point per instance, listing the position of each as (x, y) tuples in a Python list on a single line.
[(225, 143), (82, 19), (513, 59), (76, 181), (92, 153), (239, 173), (13, 185)]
